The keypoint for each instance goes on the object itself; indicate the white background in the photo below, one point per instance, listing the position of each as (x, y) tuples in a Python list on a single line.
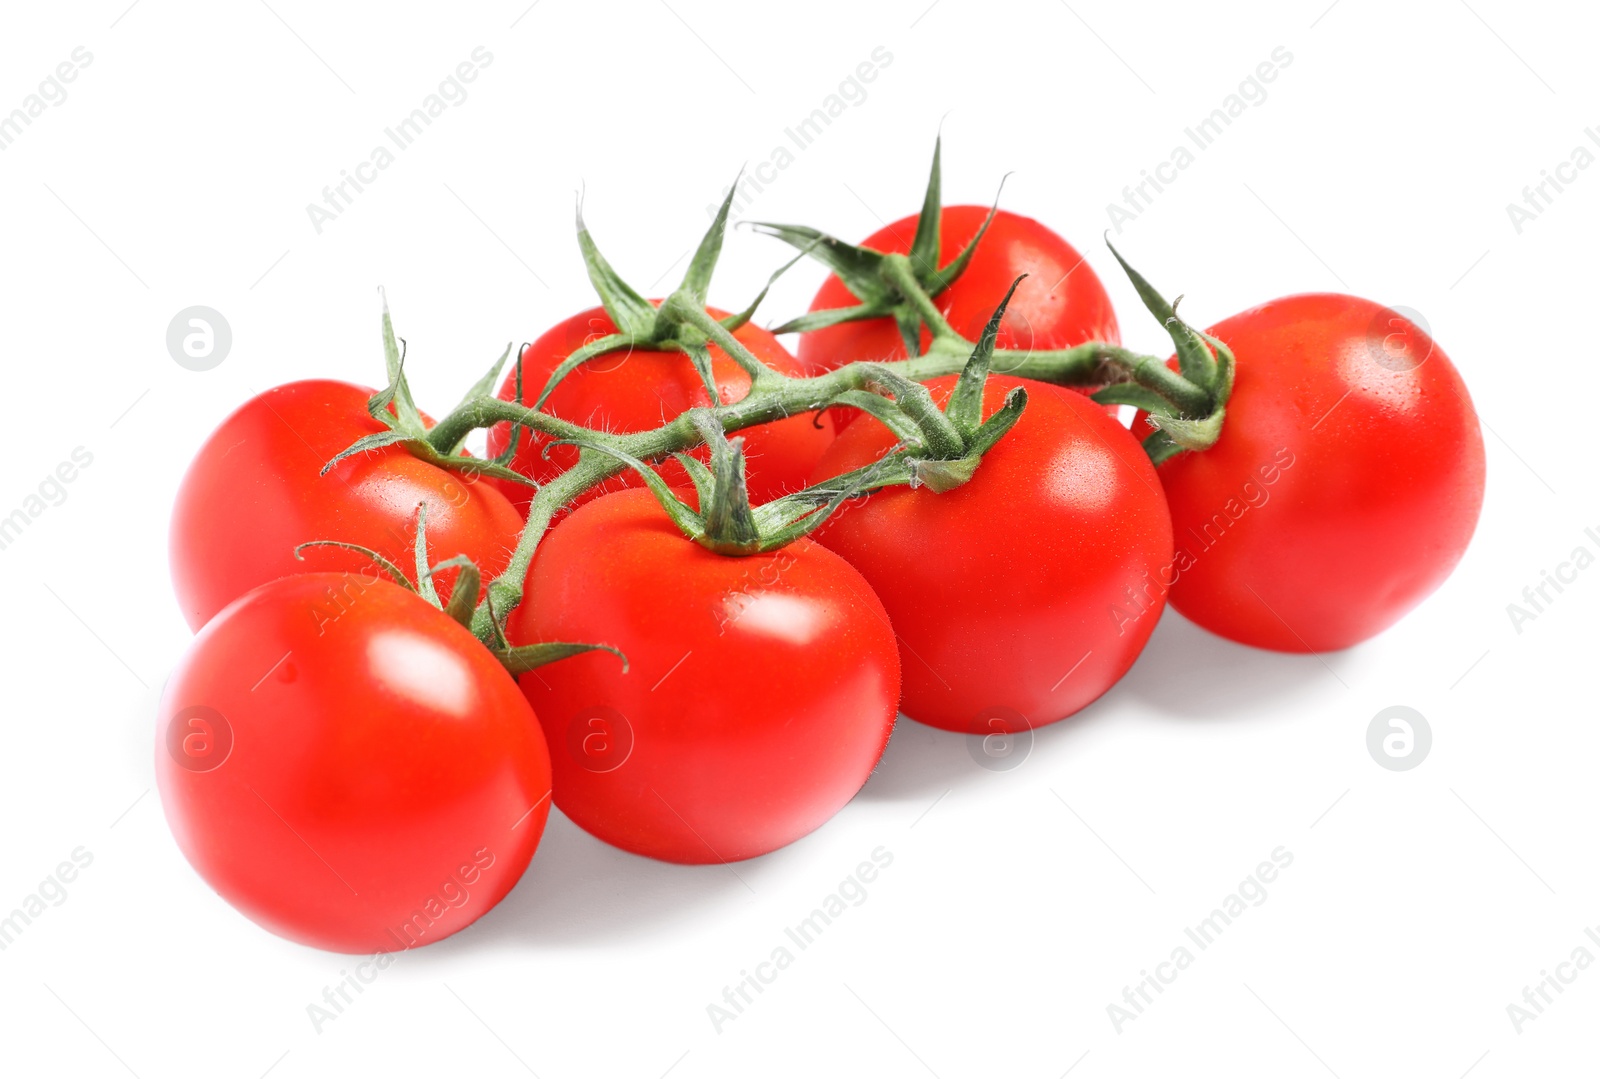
[(1020, 903)]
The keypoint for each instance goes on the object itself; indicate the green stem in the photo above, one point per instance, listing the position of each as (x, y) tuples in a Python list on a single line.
[(685, 309), (897, 270), (1083, 365)]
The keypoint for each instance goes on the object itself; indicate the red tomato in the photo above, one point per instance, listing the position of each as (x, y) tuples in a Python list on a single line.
[(760, 694), (1060, 305), (1025, 593), (643, 389), (348, 767), (1344, 488), (253, 494)]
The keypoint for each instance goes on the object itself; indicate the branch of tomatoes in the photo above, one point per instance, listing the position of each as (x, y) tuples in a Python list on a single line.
[(1186, 405)]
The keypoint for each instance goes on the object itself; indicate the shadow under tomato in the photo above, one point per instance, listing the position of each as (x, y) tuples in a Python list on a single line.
[(1191, 673), (579, 889), (923, 762)]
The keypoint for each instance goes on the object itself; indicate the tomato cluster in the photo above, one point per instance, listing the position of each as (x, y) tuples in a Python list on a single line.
[(697, 648)]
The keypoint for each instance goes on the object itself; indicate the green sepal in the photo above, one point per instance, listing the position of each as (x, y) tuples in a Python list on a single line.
[(1195, 361), (509, 454), (700, 356), (1159, 447), (699, 475), (940, 437), (396, 574), (946, 275), (832, 316), (686, 519), (524, 658), (965, 407), (784, 520), (883, 410), (366, 443), (727, 516), (856, 266), (398, 392), (993, 429), (734, 321), (419, 551), (697, 279), (1198, 434), (632, 313), (1222, 385), (464, 593), (424, 449), (909, 323), (941, 476), (611, 342), (924, 253), (481, 388)]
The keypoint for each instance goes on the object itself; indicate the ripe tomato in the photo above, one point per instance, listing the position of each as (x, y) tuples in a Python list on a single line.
[(643, 389), (1025, 593), (1060, 305), (348, 767), (254, 493), (760, 693), (1344, 488)]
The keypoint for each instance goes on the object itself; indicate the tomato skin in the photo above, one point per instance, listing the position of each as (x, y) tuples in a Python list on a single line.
[(1378, 502), (760, 694), (382, 765), (254, 492), (1061, 304), (999, 587), (640, 391)]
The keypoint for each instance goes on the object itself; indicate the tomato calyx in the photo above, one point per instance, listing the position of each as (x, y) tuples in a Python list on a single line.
[(393, 407), (463, 599), (887, 284), (680, 323), (1205, 364), (942, 449), (725, 522)]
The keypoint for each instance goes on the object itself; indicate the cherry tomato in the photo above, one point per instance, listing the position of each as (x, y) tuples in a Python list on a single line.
[(348, 767), (1345, 486), (1025, 593), (1060, 305), (643, 389), (254, 493), (760, 693)]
